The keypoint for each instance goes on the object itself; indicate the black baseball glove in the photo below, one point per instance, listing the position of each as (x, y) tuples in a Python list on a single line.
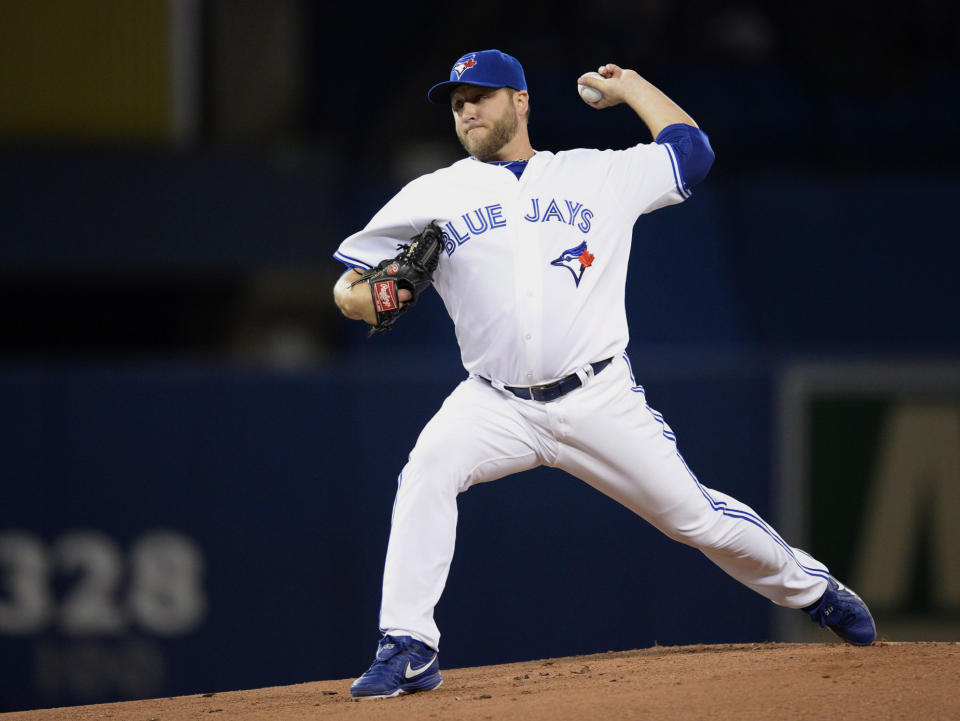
[(412, 269)]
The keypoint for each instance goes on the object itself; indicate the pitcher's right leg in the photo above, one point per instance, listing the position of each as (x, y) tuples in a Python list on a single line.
[(476, 436)]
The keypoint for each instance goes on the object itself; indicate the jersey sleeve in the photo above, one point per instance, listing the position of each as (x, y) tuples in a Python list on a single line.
[(647, 177), (378, 240), (690, 148)]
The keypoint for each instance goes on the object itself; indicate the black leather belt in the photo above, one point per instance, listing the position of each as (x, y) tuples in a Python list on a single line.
[(552, 391)]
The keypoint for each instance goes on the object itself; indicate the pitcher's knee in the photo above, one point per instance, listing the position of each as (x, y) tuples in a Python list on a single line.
[(436, 468), (702, 530)]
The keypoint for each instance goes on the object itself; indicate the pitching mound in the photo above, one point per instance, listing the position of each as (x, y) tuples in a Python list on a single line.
[(759, 681)]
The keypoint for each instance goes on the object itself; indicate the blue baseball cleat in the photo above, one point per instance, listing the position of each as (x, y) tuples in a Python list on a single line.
[(844, 613), (403, 665)]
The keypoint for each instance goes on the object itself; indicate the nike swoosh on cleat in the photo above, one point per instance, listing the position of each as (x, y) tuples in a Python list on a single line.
[(411, 672)]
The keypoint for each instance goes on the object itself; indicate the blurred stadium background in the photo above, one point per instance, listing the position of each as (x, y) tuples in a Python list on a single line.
[(199, 453)]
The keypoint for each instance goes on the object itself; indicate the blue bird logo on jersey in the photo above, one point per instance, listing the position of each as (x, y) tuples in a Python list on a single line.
[(575, 257)]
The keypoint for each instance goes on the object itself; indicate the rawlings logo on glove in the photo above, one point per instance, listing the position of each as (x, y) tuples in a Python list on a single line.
[(411, 270), (384, 297)]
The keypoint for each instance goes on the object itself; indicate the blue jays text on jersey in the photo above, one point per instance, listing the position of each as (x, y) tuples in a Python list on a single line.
[(488, 217)]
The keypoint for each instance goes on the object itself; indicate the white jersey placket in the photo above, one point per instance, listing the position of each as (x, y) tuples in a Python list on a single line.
[(528, 285)]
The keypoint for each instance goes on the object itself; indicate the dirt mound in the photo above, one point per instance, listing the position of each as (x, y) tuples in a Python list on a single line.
[(753, 681)]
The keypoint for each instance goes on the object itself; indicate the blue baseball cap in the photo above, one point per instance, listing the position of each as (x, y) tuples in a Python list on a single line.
[(487, 68)]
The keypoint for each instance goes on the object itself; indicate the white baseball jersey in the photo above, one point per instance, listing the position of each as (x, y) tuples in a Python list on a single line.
[(535, 269)]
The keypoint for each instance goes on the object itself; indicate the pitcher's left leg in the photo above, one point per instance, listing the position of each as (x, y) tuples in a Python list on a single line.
[(612, 440)]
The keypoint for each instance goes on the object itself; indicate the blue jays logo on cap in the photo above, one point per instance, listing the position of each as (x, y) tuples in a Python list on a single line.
[(486, 68), (461, 66), (578, 255)]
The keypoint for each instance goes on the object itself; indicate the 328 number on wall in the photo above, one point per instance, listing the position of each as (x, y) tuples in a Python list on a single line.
[(86, 585)]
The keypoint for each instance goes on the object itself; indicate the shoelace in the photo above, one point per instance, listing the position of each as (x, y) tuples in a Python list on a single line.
[(395, 650)]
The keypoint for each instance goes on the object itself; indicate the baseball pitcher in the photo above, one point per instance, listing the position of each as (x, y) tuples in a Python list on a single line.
[(528, 250)]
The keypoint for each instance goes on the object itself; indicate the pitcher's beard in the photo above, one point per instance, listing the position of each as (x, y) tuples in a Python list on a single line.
[(498, 134)]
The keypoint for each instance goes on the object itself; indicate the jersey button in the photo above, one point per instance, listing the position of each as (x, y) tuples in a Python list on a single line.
[(528, 336)]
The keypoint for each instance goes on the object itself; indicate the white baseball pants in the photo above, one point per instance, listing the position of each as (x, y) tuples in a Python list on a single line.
[(604, 434)]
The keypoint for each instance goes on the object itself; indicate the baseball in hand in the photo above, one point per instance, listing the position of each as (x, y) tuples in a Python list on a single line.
[(591, 95)]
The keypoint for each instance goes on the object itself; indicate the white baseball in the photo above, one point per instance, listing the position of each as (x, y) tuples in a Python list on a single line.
[(591, 95)]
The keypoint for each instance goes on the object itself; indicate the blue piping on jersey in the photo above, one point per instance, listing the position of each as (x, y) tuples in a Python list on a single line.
[(755, 520), (350, 262), (721, 506), (677, 181), (658, 417), (632, 378)]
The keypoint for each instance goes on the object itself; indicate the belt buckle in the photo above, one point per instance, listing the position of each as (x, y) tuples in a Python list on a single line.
[(542, 388)]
